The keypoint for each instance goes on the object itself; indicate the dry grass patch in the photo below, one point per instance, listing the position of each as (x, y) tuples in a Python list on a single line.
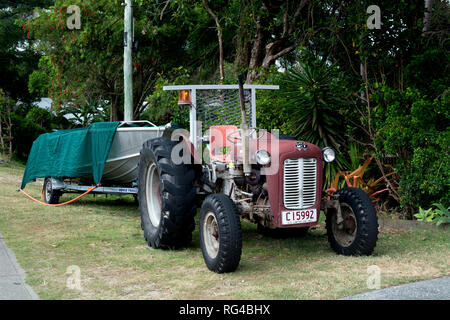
[(103, 237)]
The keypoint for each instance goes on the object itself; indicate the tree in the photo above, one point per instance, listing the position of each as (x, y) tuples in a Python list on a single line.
[(18, 58), (278, 31), (87, 63), (6, 126), (219, 39), (428, 15)]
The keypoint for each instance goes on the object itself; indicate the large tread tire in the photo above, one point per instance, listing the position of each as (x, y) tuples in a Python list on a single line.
[(50, 195), (228, 254), (177, 196), (366, 224)]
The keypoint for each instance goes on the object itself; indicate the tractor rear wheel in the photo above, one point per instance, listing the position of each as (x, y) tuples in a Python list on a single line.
[(220, 233), (166, 196), (357, 234)]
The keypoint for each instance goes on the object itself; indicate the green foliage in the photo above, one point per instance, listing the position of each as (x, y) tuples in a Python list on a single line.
[(313, 98), (24, 133), (40, 116), (17, 54), (320, 99), (355, 156), (416, 131), (437, 215), (271, 110), (40, 79), (429, 72), (162, 105)]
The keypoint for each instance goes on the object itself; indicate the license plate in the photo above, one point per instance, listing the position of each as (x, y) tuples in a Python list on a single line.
[(298, 216)]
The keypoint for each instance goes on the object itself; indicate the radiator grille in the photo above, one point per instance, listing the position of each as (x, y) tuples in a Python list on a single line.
[(300, 178)]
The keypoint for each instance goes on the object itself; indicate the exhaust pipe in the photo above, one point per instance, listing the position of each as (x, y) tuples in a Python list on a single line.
[(244, 128)]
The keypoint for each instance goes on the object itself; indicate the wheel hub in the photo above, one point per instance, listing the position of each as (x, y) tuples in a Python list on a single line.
[(345, 232), (350, 224), (211, 235), (48, 191), (153, 195)]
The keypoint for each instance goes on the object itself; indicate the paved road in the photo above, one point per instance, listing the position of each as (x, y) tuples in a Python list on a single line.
[(436, 289), (12, 277)]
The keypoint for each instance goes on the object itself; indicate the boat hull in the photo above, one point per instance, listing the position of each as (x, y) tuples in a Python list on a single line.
[(122, 163)]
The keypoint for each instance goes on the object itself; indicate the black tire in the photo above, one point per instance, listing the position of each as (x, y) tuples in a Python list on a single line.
[(50, 195), (220, 209), (175, 195), (280, 233), (353, 240)]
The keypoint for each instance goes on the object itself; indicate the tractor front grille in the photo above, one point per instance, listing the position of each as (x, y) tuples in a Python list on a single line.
[(300, 181)]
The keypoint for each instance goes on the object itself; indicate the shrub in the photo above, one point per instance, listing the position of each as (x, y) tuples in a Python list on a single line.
[(162, 105), (437, 215), (415, 131)]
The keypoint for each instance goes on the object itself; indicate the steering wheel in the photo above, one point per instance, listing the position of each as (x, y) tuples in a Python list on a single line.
[(236, 135)]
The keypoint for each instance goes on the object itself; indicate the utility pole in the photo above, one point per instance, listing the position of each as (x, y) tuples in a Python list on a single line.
[(127, 60)]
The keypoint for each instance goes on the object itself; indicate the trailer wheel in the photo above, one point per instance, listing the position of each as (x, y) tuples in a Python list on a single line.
[(220, 233), (358, 233), (166, 196), (51, 196)]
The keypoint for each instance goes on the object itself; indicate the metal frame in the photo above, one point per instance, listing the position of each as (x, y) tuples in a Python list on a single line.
[(60, 185), (137, 122), (193, 128)]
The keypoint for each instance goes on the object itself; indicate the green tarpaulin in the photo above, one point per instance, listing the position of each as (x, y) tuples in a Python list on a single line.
[(71, 153)]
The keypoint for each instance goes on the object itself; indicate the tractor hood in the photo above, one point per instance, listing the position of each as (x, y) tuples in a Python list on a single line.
[(302, 156)]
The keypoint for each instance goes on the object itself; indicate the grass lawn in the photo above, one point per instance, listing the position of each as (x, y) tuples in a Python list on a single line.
[(102, 236)]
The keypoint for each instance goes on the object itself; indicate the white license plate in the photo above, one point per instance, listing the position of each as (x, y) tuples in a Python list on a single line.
[(298, 216)]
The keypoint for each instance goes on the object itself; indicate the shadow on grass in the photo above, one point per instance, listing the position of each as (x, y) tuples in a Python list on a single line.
[(261, 250), (123, 206)]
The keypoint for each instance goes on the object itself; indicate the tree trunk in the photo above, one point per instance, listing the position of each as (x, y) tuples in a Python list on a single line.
[(265, 50), (2, 142), (242, 59), (219, 38), (10, 132), (257, 52), (427, 16), (114, 109)]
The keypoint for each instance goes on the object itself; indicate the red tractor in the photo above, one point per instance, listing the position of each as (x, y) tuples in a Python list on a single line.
[(272, 180)]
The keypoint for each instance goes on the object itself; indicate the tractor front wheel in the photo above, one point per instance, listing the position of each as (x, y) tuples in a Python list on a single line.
[(358, 232), (220, 233)]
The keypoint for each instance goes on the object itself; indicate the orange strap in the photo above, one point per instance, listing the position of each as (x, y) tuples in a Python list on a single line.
[(59, 204)]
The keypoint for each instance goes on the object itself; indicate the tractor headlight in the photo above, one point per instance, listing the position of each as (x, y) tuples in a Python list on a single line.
[(328, 154), (262, 157)]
